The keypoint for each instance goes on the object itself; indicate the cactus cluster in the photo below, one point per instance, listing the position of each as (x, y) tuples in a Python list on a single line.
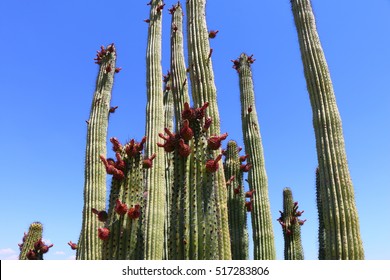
[(172, 196)]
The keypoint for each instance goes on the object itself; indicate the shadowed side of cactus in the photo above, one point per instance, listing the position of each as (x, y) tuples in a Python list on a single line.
[(89, 245), (321, 229), (236, 203), (291, 226), (263, 235), (155, 176), (341, 222)]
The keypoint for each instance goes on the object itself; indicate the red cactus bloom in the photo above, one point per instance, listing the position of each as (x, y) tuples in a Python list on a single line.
[(248, 205), (245, 167), (38, 244), (249, 194), (134, 212), (147, 20), (148, 162), (213, 33), (72, 245), (118, 69), (102, 215), (207, 123), (228, 182), (251, 59), (31, 255), (113, 109), (212, 164), (160, 7), (237, 190), (186, 132), (188, 113), (116, 145), (120, 163), (214, 142), (103, 233), (200, 111), (111, 48), (244, 158), (299, 213), (120, 208), (45, 248), (184, 149)]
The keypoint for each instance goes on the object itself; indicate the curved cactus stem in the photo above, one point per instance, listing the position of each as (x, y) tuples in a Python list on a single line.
[(342, 230), (155, 176), (263, 235), (89, 245)]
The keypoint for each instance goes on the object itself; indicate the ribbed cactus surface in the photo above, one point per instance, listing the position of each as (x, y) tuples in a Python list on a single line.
[(341, 222)]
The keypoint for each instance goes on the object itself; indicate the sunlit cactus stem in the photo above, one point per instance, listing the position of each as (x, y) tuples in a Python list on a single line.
[(291, 226), (341, 222), (155, 176), (89, 245), (263, 235)]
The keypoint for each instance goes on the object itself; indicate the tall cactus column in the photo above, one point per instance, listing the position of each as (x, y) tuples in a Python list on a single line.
[(263, 235), (89, 245), (204, 90), (155, 176), (341, 221)]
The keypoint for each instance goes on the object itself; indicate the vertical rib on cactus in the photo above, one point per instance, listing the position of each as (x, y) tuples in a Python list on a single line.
[(204, 90), (155, 181), (321, 229), (33, 235), (89, 245), (236, 203), (291, 226), (341, 220), (263, 235)]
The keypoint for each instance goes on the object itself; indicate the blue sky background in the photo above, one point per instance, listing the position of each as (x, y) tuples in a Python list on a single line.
[(48, 76)]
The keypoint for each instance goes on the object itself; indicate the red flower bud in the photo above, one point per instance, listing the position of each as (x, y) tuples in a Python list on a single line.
[(38, 244), (200, 111), (188, 113), (113, 109), (31, 255), (207, 123), (213, 33), (120, 208), (237, 190), (148, 161), (118, 69), (245, 167), (103, 233), (184, 149), (102, 215), (248, 205), (120, 163), (117, 146), (45, 248), (134, 212), (212, 164), (214, 142), (228, 182), (186, 132), (243, 158), (72, 245)]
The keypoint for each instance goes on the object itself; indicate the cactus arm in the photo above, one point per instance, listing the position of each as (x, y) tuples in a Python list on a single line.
[(337, 194), (155, 181), (89, 245), (33, 235), (263, 235)]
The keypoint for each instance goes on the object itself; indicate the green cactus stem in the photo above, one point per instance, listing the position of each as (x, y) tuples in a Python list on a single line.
[(155, 176), (203, 90), (33, 235), (236, 203), (341, 222), (89, 245), (263, 235), (321, 228), (291, 226)]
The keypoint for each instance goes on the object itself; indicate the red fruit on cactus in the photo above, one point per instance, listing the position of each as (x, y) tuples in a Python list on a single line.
[(38, 244), (184, 149), (113, 109), (228, 182), (72, 245), (214, 142), (134, 212), (117, 146), (102, 215), (200, 111), (248, 205), (250, 194), (188, 113), (237, 190), (103, 233), (245, 167), (207, 123), (31, 255), (120, 164), (243, 158), (186, 132), (120, 208), (148, 162), (213, 33), (212, 164), (45, 248)]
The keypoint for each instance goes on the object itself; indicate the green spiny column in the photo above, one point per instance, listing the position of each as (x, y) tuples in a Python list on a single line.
[(236, 203), (204, 90), (263, 234), (291, 226), (321, 229), (89, 245), (155, 176), (33, 235), (341, 222)]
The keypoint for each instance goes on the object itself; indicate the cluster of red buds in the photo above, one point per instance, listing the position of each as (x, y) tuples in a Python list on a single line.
[(192, 114), (172, 10), (40, 248), (115, 168), (160, 8), (101, 54), (133, 148), (236, 62), (245, 167), (286, 225)]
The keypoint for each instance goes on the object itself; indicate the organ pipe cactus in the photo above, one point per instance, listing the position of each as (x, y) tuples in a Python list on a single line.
[(341, 222), (236, 203), (27, 246), (155, 176), (291, 226), (263, 235), (89, 244)]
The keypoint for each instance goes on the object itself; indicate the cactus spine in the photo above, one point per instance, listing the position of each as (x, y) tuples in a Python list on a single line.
[(291, 226), (203, 90), (236, 203), (263, 235), (155, 176), (89, 245), (341, 220)]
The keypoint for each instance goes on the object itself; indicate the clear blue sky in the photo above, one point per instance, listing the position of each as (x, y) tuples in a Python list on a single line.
[(48, 75)]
